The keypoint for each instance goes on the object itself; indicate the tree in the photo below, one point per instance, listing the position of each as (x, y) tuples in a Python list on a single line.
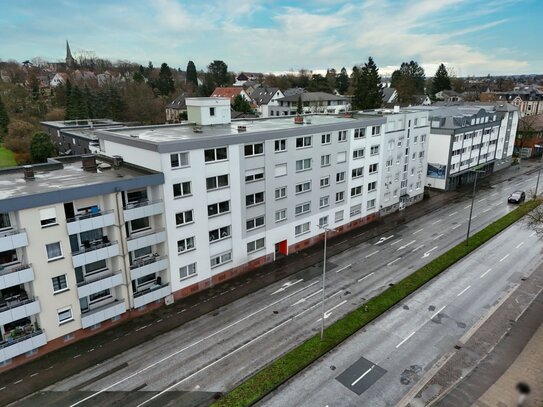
[(4, 119), (368, 93), (192, 77), (318, 83), (165, 83), (219, 73), (441, 80), (241, 105), (138, 77), (342, 81), (41, 147), (19, 136), (299, 108), (408, 81)]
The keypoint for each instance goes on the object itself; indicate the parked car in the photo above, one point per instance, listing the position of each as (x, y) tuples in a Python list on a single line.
[(516, 197)]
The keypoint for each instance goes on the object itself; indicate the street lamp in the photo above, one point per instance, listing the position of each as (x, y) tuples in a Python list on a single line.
[(326, 230), (472, 201), (539, 172)]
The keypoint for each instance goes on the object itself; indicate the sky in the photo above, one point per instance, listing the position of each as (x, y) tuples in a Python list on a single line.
[(471, 37)]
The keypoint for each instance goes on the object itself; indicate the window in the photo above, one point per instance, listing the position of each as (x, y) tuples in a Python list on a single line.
[(340, 196), (356, 210), (323, 221), (99, 296), (340, 177), (302, 142), (254, 149), (357, 172), (140, 224), (372, 186), (303, 165), (280, 193), (374, 150), (338, 217), (358, 153), (341, 157), (324, 201), (303, 187), (373, 168), (212, 111), (254, 175), (187, 271), (280, 215), (136, 196), (178, 160), (280, 145), (218, 208), (219, 259), (220, 181), (220, 233), (326, 138), (216, 154), (421, 154), (255, 245), (254, 199), (145, 280), (415, 139), (4, 221), (59, 283), (356, 191), (302, 208), (301, 229), (54, 251), (388, 163), (359, 133), (387, 196), (325, 182), (64, 315), (325, 160), (182, 189), (280, 170), (423, 138), (375, 130), (255, 222), (185, 245), (414, 155), (182, 218), (48, 217), (342, 136), (371, 204)]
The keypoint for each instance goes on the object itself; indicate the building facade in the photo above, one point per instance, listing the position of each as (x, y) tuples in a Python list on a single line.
[(312, 102)]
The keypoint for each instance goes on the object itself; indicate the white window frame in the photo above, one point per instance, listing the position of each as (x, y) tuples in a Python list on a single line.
[(223, 258), (218, 208), (324, 182), (302, 208), (302, 187), (215, 159), (324, 201), (340, 177), (255, 223), (254, 199), (189, 270), (358, 153), (356, 191), (372, 186), (340, 196), (306, 142), (253, 149), (305, 164), (256, 245), (62, 289), (325, 160), (183, 186), (280, 193), (216, 179), (282, 215), (182, 160), (302, 229), (280, 145), (65, 320), (56, 257), (184, 215), (189, 244), (326, 138)]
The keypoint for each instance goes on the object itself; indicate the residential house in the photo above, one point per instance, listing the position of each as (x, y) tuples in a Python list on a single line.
[(265, 98), (529, 141), (390, 96), (528, 99), (176, 109), (448, 96), (312, 102), (230, 92), (244, 77), (60, 78)]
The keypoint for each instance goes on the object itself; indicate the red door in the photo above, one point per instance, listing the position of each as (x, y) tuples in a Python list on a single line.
[(282, 247)]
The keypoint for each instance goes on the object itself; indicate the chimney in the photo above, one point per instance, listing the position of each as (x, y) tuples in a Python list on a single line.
[(117, 161), (396, 109), (89, 163), (28, 172)]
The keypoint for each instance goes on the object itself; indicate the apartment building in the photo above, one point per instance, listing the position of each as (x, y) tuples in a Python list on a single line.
[(240, 194), (312, 102), (81, 244)]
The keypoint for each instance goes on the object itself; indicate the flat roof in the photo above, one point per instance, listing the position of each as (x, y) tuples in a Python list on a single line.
[(61, 124)]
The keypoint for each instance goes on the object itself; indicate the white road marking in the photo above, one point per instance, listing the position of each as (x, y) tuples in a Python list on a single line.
[(406, 245), (429, 251), (34, 374), (384, 239), (504, 257), (287, 285), (494, 194), (371, 254), (442, 308), (518, 246), (364, 374), (454, 213), (417, 248), (397, 241), (474, 216), (456, 226), (394, 261), (437, 221), (438, 236), (193, 344), (76, 356), (464, 290), (3, 388), (417, 231), (366, 276), (343, 268), (142, 327), (486, 210), (18, 381), (329, 312), (306, 298), (485, 273), (531, 234), (467, 206), (481, 200), (402, 342)]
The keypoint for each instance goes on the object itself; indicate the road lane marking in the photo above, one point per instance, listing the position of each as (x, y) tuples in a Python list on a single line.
[(384, 239), (364, 374), (481, 200), (397, 241), (467, 206), (433, 316), (518, 246), (438, 236), (405, 245), (454, 213), (371, 254), (343, 268), (428, 252), (464, 290), (456, 226), (437, 221), (18, 381), (531, 234), (316, 305), (504, 257), (287, 285), (417, 231), (329, 312), (306, 298), (394, 261), (34, 374), (474, 216), (402, 342), (494, 194), (486, 210), (417, 248), (366, 276), (485, 273)]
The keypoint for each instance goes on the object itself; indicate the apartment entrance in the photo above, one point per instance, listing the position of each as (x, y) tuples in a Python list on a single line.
[(281, 249)]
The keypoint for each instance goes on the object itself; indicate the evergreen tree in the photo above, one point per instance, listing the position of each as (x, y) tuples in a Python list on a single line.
[(89, 102), (4, 119), (441, 80), (117, 105), (342, 81), (138, 77), (165, 83), (299, 108), (70, 108), (331, 79), (41, 147), (408, 81), (368, 93), (241, 105), (192, 77), (219, 73)]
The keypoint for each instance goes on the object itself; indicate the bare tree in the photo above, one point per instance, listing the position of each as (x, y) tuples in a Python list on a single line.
[(534, 220)]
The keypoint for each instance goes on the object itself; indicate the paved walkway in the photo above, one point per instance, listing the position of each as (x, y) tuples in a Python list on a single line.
[(41, 372)]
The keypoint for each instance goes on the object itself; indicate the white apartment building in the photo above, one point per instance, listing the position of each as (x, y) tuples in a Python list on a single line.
[(312, 102), (81, 243)]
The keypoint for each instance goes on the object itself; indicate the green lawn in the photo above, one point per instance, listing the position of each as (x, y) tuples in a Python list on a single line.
[(7, 157)]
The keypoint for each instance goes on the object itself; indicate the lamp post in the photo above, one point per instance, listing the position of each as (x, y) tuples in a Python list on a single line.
[(539, 171), (326, 230), (472, 202)]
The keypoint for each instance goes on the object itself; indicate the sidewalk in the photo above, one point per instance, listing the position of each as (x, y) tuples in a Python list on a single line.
[(39, 373)]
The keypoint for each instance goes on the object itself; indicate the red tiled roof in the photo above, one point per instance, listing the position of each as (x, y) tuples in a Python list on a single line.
[(230, 92)]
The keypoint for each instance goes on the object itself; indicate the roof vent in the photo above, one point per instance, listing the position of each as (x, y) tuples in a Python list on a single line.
[(242, 128), (89, 163), (117, 161), (28, 172), (396, 109), (197, 129), (134, 136)]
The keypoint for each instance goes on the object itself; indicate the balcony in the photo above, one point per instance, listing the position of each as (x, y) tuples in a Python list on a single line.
[(11, 276), (90, 221), (86, 288), (142, 209), (13, 239), (95, 252), (102, 313), (21, 344), (147, 239), (18, 307), (153, 294), (146, 266)]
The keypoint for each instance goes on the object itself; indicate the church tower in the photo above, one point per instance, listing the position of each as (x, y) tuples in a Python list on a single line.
[(70, 61)]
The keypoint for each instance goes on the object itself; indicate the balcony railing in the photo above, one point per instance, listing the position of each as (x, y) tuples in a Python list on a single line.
[(139, 204), (25, 335), (150, 289), (145, 261), (10, 232), (93, 246), (88, 215), (13, 268), (106, 273)]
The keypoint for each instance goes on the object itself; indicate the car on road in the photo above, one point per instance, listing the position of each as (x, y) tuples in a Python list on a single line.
[(516, 197)]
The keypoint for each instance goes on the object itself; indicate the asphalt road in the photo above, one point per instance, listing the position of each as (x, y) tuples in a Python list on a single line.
[(212, 354)]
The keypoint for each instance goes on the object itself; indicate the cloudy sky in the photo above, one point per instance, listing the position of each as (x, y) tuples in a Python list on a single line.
[(474, 37)]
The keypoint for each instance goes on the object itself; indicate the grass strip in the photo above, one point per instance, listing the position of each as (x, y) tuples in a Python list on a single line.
[(279, 371), (7, 157)]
